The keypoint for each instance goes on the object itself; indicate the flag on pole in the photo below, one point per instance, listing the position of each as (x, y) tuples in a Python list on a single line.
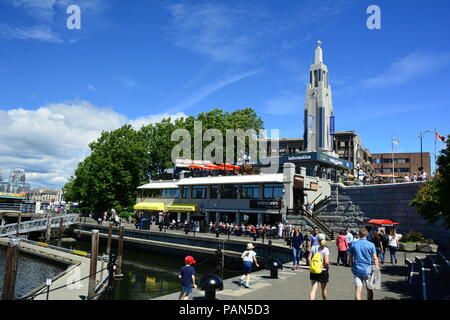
[(439, 137), (395, 140)]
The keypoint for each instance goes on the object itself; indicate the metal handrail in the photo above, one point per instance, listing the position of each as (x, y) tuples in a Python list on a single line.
[(422, 274), (37, 224)]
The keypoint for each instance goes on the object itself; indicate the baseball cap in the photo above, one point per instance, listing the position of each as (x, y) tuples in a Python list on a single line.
[(190, 259)]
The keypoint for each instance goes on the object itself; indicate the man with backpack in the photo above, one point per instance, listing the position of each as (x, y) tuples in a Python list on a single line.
[(319, 265)]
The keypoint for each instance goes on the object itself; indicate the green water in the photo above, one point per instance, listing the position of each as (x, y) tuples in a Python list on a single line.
[(146, 275), (31, 272)]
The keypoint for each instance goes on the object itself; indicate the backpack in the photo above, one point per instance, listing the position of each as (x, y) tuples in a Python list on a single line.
[(316, 263)]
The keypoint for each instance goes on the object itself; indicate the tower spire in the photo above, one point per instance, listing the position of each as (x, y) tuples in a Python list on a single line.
[(319, 58)]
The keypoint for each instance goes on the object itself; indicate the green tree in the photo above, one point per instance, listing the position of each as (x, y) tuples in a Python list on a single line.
[(432, 200), (125, 158)]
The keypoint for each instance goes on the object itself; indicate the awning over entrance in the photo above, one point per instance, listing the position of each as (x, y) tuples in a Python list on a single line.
[(182, 207), (157, 206)]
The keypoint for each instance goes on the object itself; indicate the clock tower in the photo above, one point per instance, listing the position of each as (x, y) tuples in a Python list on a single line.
[(319, 119)]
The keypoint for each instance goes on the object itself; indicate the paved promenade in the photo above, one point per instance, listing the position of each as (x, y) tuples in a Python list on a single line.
[(295, 284)]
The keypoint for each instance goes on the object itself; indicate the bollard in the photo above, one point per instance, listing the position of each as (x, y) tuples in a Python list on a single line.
[(108, 243), (9, 280), (112, 267), (273, 265), (217, 232), (210, 284)]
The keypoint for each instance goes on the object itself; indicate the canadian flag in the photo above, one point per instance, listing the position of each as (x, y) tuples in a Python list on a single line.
[(439, 137)]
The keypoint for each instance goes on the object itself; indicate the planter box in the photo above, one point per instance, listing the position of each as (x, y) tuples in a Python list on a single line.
[(409, 247), (427, 248)]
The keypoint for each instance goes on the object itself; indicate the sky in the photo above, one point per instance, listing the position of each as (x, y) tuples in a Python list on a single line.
[(140, 61)]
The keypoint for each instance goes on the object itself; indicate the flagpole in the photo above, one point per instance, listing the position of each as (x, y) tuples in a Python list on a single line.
[(392, 143), (435, 154)]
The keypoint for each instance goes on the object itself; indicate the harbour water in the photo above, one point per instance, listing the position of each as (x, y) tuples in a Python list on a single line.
[(31, 272), (146, 275)]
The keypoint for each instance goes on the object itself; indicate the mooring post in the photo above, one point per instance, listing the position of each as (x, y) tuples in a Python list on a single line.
[(108, 243), (49, 228), (120, 252), (93, 265), (9, 280), (61, 225), (19, 220)]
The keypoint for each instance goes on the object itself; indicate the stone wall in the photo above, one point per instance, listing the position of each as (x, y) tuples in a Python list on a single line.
[(350, 206)]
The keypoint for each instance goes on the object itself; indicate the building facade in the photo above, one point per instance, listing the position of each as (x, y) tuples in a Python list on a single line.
[(253, 198), (403, 164), (16, 183), (348, 145), (44, 195)]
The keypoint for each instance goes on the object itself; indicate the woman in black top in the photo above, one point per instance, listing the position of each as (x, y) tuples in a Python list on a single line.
[(297, 242), (378, 242)]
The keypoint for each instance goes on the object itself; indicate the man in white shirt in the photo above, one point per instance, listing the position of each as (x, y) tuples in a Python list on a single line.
[(407, 178), (424, 175)]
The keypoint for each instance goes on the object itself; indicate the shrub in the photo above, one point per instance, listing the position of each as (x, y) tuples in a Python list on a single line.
[(413, 236)]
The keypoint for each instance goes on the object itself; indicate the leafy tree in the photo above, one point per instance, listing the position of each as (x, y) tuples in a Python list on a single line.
[(125, 158), (432, 201)]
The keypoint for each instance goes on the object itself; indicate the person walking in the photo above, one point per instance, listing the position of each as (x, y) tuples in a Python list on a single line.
[(342, 246), (307, 245), (297, 243), (385, 243), (377, 241), (394, 245), (362, 255), (319, 265), (248, 257), (187, 278), (314, 238), (280, 230), (349, 237)]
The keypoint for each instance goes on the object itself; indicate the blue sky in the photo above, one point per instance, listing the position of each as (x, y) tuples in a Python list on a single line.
[(138, 61)]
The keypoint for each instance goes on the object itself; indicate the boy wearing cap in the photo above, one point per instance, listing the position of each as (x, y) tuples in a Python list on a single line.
[(187, 277), (248, 257)]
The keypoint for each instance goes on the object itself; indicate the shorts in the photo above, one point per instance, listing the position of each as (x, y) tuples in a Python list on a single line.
[(360, 280), (187, 290), (248, 267), (320, 277)]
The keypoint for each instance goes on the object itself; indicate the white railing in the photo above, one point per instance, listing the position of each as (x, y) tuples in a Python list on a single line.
[(37, 225)]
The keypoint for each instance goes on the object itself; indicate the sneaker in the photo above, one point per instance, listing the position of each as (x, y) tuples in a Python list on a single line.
[(247, 285)]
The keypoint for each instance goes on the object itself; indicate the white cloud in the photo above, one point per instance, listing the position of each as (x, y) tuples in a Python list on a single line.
[(415, 65), (286, 103), (91, 87), (48, 142)]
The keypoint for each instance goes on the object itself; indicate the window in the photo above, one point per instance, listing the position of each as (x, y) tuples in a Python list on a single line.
[(214, 192), (199, 192), (316, 78), (185, 192), (249, 191), (170, 193), (229, 191), (378, 161), (273, 191)]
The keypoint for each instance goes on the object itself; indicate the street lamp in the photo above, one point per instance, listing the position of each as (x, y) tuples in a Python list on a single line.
[(422, 134)]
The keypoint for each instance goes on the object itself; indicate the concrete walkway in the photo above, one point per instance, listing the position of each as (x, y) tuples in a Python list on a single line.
[(295, 284)]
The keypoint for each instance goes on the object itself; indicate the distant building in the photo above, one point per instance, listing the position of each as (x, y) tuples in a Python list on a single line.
[(45, 195), (16, 183), (347, 145), (404, 163)]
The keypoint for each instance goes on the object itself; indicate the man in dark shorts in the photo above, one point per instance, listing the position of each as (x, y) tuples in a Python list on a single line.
[(322, 277), (187, 277)]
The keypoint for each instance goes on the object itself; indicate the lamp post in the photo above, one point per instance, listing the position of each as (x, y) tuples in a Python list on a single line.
[(422, 134)]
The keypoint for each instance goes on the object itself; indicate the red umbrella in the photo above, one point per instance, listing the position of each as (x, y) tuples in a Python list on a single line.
[(382, 222), (196, 166)]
